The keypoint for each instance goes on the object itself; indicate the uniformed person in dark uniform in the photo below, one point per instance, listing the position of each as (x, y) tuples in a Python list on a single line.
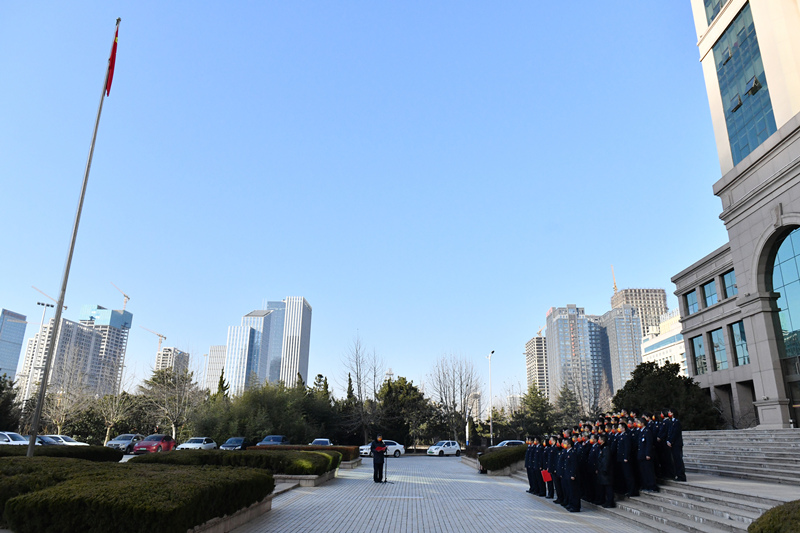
[(547, 472), (675, 443), (572, 477), (646, 456), (604, 472), (378, 449), (625, 460), (662, 450)]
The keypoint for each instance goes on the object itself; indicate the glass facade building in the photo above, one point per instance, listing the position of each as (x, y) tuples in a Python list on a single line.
[(624, 340), (12, 334), (743, 86)]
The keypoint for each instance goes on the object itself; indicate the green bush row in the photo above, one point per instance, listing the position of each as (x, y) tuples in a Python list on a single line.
[(503, 457), (131, 498), (277, 461), (781, 519), (89, 453), (349, 453)]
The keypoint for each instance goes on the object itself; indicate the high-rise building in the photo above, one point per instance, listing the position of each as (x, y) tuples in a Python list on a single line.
[(12, 333), (650, 303), (575, 355), (296, 340), (623, 333), (214, 365), (738, 304), (536, 363), (667, 346), (474, 406), (172, 358), (105, 375), (74, 362), (270, 345)]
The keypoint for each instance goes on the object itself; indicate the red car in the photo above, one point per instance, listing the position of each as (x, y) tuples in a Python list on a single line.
[(154, 443)]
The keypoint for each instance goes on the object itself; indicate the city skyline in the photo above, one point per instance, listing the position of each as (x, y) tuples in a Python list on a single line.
[(393, 172)]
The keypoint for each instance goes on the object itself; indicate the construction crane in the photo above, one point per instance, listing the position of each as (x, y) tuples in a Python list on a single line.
[(124, 303), (160, 336), (539, 333), (47, 295), (614, 278)]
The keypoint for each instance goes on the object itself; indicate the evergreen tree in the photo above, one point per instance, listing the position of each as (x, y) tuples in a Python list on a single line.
[(9, 408), (351, 395), (568, 410), (536, 415), (222, 386)]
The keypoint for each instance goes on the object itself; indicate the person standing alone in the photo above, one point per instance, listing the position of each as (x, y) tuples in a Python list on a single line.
[(378, 449)]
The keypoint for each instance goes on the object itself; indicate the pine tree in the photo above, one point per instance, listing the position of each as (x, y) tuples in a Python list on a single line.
[(222, 386)]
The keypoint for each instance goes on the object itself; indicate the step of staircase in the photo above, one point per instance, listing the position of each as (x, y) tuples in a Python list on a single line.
[(753, 463), (766, 477), (695, 508)]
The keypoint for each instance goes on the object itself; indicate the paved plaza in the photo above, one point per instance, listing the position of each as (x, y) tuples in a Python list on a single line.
[(429, 494)]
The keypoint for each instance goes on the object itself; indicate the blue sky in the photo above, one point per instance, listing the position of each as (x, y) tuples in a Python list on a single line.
[(430, 176)]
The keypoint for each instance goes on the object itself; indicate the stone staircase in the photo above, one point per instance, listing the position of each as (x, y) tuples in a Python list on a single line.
[(771, 456)]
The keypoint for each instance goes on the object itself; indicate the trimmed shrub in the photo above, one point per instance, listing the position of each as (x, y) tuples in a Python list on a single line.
[(131, 498), (473, 451), (781, 519), (88, 453), (349, 453), (277, 461), (503, 457)]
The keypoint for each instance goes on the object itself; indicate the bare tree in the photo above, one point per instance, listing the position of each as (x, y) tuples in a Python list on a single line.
[(113, 408), (69, 392), (453, 381), (172, 395), (365, 369)]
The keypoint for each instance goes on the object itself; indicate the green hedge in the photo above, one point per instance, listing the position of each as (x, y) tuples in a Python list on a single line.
[(89, 453), (277, 461), (782, 519), (503, 457), (349, 453), (130, 498)]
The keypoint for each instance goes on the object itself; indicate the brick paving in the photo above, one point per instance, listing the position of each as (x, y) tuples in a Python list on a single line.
[(429, 494)]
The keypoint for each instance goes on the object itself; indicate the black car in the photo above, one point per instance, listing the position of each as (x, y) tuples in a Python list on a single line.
[(236, 443), (272, 440), (125, 442)]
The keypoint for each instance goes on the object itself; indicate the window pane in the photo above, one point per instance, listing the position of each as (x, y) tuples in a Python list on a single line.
[(710, 292), (729, 280), (691, 302), (699, 355), (740, 343), (718, 349)]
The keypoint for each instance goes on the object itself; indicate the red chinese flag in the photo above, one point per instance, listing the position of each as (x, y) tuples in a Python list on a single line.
[(111, 61)]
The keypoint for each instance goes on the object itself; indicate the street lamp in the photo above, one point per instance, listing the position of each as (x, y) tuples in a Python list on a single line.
[(491, 429)]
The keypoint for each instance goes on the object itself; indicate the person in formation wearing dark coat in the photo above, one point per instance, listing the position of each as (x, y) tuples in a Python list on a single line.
[(529, 466), (646, 456), (625, 460), (675, 444), (572, 476), (605, 473)]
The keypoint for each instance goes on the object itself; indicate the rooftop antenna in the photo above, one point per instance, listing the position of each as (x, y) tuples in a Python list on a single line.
[(614, 278)]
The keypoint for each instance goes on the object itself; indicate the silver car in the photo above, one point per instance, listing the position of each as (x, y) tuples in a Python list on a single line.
[(14, 439)]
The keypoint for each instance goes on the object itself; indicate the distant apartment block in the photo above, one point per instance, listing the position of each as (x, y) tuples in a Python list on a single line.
[(105, 374), (667, 346), (12, 334), (536, 364), (214, 365), (622, 336), (650, 304), (172, 358)]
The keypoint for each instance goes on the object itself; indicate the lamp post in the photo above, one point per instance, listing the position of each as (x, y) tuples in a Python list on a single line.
[(491, 429)]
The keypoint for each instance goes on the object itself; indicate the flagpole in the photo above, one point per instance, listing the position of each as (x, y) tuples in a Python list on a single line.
[(60, 305)]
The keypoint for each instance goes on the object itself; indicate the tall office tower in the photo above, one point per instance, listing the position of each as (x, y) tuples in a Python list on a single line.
[(622, 330), (247, 353), (738, 303), (474, 406), (214, 365), (651, 304), (275, 340), (172, 358), (105, 376), (296, 340), (536, 363), (667, 346), (575, 355), (75, 359), (12, 333)]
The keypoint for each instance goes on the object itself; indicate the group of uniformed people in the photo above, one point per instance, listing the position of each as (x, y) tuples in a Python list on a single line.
[(624, 452)]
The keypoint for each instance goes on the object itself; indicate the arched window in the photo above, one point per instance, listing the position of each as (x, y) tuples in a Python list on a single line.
[(786, 281)]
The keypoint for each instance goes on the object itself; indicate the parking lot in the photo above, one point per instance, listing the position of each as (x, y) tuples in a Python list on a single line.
[(428, 494)]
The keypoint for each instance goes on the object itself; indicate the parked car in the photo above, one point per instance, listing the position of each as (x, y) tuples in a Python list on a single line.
[(272, 440), (42, 440), (392, 448), (198, 443), (65, 440), (321, 442), (14, 439), (125, 442), (236, 443), (445, 447), (154, 443), (506, 443)]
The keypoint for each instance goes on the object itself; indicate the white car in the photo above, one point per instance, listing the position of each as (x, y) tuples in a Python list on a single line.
[(321, 442), (392, 448), (445, 447), (69, 441), (198, 443), (9, 437)]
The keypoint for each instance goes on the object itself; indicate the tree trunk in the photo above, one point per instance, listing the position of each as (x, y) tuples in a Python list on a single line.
[(108, 434), (174, 432)]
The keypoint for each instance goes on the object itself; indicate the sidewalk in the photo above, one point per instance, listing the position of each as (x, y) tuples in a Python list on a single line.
[(429, 494)]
